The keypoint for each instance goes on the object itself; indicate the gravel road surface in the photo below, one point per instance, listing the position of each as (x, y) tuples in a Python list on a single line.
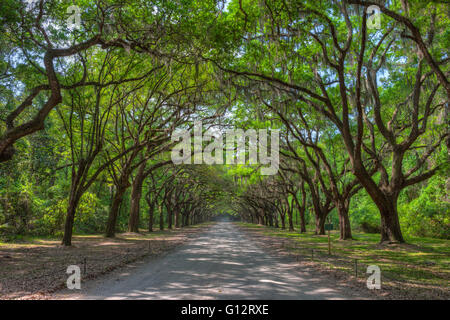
[(220, 263)]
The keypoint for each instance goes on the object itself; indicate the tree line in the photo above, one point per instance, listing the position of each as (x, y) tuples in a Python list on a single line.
[(88, 114)]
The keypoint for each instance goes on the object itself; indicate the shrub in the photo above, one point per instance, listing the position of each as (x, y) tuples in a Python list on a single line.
[(370, 227)]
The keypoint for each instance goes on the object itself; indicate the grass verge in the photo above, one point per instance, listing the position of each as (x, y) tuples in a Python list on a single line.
[(419, 269)]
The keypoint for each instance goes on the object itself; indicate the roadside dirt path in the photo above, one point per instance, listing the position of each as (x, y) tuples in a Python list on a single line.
[(35, 270)]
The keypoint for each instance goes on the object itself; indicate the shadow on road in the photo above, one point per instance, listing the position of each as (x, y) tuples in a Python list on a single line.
[(218, 264)]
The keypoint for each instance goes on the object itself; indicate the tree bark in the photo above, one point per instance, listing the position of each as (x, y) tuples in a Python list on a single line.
[(150, 217), (344, 221), (136, 195), (277, 225), (386, 203), (291, 222), (114, 212), (70, 218), (320, 223), (177, 217), (169, 216), (261, 217), (76, 193), (283, 221), (161, 218), (390, 224), (301, 209)]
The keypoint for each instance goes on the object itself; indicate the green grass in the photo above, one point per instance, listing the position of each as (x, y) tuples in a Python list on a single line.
[(422, 261)]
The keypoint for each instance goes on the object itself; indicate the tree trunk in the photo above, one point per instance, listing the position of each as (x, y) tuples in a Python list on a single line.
[(291, 222), (136, 195), (161, 218), (177, 218), (301, 212), (74, 199), (283, 222), (70, 218), (319, 211), (344, 221), (390, 225), (169, 216), (261, 217), (302, 219), (114, 212), (387, 204), (320, 223), (303, 209), (150, 217)]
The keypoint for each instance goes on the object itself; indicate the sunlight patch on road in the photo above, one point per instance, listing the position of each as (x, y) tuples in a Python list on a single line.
[(272, 281)]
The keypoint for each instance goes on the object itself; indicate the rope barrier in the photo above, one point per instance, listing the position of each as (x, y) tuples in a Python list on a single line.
[(352, 264)]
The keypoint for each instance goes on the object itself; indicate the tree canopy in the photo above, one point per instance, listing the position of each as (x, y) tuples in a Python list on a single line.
[(92, 92)]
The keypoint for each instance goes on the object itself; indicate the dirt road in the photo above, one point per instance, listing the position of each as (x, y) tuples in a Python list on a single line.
[(220, 263)]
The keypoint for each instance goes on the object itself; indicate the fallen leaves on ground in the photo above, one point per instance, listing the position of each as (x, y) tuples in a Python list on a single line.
[(33, 271)]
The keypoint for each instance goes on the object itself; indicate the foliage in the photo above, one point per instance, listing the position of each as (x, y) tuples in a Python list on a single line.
[(87, 115)]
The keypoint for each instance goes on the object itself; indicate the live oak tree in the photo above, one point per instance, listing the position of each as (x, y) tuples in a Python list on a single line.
[(34, 31), (87, 113), (146, 119), (86, 121), (325, 56), (47, 45), (320, 148)]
